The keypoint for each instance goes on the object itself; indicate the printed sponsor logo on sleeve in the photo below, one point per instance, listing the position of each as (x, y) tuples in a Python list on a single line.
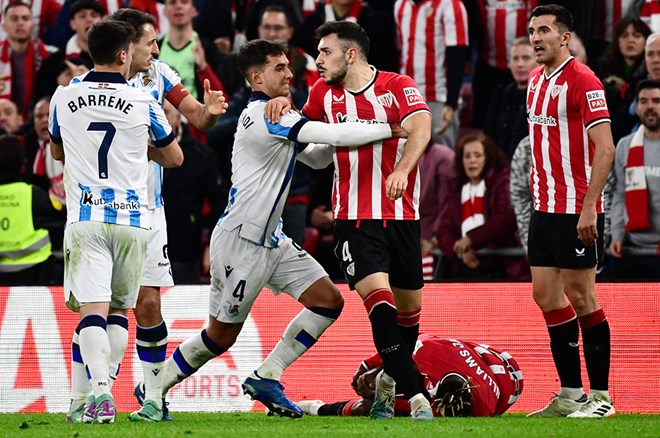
[(413, 96), (596, 100)]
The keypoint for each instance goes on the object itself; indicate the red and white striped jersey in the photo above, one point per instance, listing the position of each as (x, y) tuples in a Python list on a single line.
[(609, 13), (561, 108), (650, 13), (360, 172), (503, 22), (425, 30)]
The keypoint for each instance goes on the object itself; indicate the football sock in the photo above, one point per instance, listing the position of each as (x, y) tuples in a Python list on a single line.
[(333, 409), (188, 358), (408, 323), (389, 342), (80, 386), (118, 337), (302, 332), (596, 339), (564, 337), (151, 346), (95, 352)]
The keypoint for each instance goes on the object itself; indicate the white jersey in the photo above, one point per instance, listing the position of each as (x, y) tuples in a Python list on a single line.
[(159, 80), (263, 159), (105, 125)]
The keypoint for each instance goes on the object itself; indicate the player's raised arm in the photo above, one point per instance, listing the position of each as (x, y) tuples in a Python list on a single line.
[(346, 134), (204, 116)]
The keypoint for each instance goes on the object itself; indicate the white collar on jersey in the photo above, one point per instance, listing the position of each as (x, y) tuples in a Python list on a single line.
[(558, 69)]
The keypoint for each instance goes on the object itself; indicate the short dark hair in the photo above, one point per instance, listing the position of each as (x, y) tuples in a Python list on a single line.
[(14, 4), (255, 53), (495, 157), (12, 155), (647, 84), (136, 19), (107, 38), (290, 21), (81, 5), (347, 32), (563, 18)]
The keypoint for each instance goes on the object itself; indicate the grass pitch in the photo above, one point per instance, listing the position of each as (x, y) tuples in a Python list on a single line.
[(258, 425)]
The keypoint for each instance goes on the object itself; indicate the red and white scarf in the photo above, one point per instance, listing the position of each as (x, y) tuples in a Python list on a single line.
[(472, 206), (36, 54), (46, 165), (352, 15), (637, 196)]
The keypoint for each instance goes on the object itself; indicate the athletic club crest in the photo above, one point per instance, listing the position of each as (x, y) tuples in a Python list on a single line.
[(386, 99), (556, 90)]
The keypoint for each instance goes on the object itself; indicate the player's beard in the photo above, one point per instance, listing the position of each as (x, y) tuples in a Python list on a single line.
[(337, 77)]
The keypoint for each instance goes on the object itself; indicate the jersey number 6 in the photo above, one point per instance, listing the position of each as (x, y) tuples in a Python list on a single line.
[(110, 131)]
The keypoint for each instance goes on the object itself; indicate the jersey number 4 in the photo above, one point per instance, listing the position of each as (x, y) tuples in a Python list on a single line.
[(110, 131)]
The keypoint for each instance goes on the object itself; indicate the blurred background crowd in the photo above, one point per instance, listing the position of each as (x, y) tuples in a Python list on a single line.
[(470, 58)]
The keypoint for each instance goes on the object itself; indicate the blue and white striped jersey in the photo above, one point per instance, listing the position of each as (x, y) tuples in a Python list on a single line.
[(263, 159), (105, 125), (159, 80)]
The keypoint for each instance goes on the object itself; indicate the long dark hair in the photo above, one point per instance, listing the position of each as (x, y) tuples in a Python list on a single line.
[(612, 62), (495, 157)]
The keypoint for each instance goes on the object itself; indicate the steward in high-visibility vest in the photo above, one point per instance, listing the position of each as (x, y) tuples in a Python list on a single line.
[(21, 246), (25, 211)]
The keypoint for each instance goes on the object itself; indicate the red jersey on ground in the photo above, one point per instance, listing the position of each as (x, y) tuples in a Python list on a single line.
[(560, 110), (360, 172), (496, 376), (426, 29)]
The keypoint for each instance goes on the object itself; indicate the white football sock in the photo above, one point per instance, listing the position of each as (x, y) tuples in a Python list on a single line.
[(118, 337), (95, 351), (302, 332)]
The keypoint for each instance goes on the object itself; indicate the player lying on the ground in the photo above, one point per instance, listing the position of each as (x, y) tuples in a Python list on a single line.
[(462, 379)]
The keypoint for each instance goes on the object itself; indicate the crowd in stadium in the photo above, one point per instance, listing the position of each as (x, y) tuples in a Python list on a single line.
[(472, 72)]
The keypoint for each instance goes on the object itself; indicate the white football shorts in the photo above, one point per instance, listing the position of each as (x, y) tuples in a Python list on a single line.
[(157, 269), (103, 263), (240, 269)]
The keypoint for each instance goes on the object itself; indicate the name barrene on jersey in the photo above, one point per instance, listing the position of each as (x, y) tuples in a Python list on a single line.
[(100, 100)]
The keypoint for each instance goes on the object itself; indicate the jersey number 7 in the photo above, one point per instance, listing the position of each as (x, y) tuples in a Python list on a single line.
[(110, 131)]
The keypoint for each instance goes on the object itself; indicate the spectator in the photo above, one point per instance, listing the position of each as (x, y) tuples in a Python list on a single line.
[(648, 11), (622, 62), (608, 14), (185, 191), (194, 59), (436, 168), (577, 49), (506, 118), (521, 194), (47, 172), (248, 22), (21, 56), (479, 213), (494, 28), (625, 120), (10, 119), (25, 254), (156, 9), (44, 14), (443, 37), (215, 22), (636, 198), (383, 53), (83, 13)]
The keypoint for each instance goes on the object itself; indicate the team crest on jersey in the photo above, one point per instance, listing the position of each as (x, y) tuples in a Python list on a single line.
[(556, 90), (413, 96), (596, 100), (146, 81), (386, 99)]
